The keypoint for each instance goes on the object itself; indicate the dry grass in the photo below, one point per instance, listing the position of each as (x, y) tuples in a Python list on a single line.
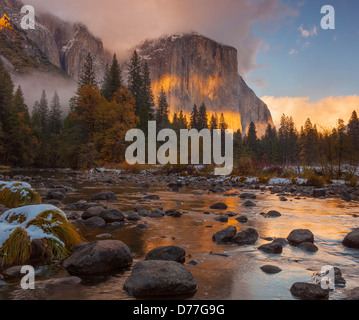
[(62, 236), (20, 197)]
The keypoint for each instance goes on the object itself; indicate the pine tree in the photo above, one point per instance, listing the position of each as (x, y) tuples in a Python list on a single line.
[(270, 144), (147, 91), (251, 140), (55, 122), (162, 114), (309, 142), (194, 118), (21, 143), (135, 81), (213, 124), (202, 118), (88, 73), (112, 80), (353, 133), (44, 113), (223, 126), (6, 90)]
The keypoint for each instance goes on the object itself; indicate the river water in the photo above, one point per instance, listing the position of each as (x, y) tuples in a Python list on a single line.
[(235, 274)]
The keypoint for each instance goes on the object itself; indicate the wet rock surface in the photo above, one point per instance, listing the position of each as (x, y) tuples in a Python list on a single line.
[(160, 278)]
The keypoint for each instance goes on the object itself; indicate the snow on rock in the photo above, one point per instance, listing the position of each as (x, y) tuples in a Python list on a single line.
[(21, 217)]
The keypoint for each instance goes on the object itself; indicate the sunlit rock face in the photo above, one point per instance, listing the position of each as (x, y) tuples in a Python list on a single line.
[(193, 69)]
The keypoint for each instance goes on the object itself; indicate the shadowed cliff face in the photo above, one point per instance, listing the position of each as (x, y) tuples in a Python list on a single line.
[(193, 69), (54, 45)]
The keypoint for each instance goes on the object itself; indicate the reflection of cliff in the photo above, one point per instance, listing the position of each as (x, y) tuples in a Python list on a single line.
[(194, 69)]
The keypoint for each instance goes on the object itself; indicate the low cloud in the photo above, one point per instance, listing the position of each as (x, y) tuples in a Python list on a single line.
[(33, 84), (122, 24), (324, 112)]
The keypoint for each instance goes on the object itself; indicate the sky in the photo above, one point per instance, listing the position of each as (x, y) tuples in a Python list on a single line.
[(284, 55)]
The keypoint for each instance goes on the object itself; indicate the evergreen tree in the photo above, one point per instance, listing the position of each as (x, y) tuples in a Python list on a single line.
[(6, 90), (309, 143), (135, 81), (202, 118), (270, 144), (88, 73), (55, 122), (288, 141), (162, 115), (194, 118), (21, 143), (44, 113), (251, 140), (147, 91), (353, 133), (213, 124), (112, 80)]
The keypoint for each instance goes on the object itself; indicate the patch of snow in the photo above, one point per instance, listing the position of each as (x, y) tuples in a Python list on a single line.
[(29, 213)]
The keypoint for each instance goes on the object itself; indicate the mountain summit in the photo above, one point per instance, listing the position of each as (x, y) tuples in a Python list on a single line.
[(194, 69)]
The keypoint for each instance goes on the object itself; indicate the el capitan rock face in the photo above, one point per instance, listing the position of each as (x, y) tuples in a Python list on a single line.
[(194, 69)]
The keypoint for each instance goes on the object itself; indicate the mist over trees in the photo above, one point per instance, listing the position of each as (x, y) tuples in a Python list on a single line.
[(93, 132)]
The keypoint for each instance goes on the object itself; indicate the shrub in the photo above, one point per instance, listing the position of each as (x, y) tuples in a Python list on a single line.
[(315, 181), (35, 232), (14, 194)]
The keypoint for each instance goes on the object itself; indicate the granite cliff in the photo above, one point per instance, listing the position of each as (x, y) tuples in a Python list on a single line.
[(194, 69)]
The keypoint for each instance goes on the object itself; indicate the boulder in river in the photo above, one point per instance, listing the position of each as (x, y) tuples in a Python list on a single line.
[(169, 253), (308, 247), (352, 294), (249, 203), (91, 212), (219, 206), (104, 196), (98, 257), (309, 291), (352, 239), (272, 248), (271, 269), (225, 235), (298, 236), (246, 237), (112, 215), (160, 278), (247, 196)]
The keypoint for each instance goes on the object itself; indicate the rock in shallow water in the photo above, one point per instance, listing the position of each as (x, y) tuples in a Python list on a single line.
[(308, 247), (98, 257), (219, 206), (109, 196), (271, 269), (225, 235), (160, 278), (296, 237), (272, 248), (352, 239), (246, 237), (170, 253), (309, 291)]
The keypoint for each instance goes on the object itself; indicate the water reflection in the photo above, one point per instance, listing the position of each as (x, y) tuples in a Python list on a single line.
[(237, 273)]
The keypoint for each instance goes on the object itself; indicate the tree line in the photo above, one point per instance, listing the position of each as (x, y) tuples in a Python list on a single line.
[(100, 114)]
